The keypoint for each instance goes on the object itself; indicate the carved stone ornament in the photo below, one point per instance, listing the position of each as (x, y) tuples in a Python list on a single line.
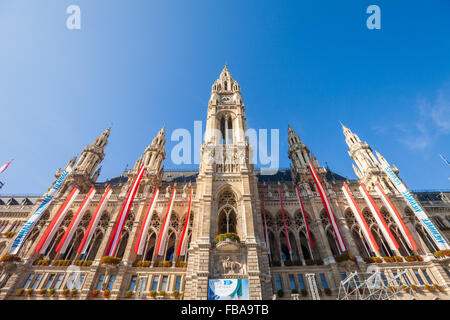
[(228, 266)]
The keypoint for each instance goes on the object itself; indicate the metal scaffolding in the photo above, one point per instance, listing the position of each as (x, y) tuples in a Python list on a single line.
[(373, 286)]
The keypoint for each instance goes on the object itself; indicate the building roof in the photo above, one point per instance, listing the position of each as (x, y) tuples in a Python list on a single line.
[(281, 175)]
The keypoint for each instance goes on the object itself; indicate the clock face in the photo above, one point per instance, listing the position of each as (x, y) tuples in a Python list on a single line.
[(225, 99)]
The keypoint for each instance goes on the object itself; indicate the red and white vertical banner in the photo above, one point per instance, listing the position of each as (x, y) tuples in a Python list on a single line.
[(162, 239), (266, 235), (393, 245), (398, 220), (140, 244), (65, 240), (114, 240), (360, 219), (328, 209), (284, 222), (182, 245), (56, 222), (302, 210), (94, 221)]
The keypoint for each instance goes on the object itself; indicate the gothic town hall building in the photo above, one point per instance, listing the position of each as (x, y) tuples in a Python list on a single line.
[(118, 240)]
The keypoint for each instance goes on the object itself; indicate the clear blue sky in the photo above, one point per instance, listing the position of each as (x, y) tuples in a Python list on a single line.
[(142, 64)]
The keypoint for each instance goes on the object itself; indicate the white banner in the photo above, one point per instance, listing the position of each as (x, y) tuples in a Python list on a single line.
[(28, 226), (438, 239)]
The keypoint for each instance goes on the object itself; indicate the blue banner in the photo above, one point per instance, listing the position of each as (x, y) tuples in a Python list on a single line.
[(28, 226), (228, 289)]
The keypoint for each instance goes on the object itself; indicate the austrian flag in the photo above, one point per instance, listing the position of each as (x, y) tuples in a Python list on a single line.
[(3, 167)]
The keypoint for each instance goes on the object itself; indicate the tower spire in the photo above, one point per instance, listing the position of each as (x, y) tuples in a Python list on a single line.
[(154, 154), (85, 171), (368, 167)]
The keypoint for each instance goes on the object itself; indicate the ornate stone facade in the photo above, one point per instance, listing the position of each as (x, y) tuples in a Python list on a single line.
[(227, 198)]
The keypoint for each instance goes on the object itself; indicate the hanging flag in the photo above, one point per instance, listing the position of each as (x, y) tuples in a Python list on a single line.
[(56, 222), (445, 160), (398, 220), (112, 245), (302, 210), (70, 231), (360, 219), (327, 205), (182, 245), (162, 239), (438, 239), (379, 218), (28, 226), (3, 167), (140, 244), (284, 222), (94, 221), (266, 235)]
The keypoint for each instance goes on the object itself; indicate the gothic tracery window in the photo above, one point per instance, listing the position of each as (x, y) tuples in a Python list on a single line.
[(156, 221), (227, 220), (227, 217), (94, 245)]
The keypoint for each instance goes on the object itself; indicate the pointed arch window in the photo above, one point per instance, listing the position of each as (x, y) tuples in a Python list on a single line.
[(222, 130), (332, 242), (425, 237), (227, 220), (150, 246), (94, 245), (170, 251), (304, 246), (230, 131)]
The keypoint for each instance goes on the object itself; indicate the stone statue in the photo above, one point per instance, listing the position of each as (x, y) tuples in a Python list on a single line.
[(230, 266)]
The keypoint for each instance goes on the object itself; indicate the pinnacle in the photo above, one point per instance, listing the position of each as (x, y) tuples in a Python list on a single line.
[(225, 72)]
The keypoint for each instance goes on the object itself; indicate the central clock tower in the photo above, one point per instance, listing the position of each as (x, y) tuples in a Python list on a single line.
[(226, 201)]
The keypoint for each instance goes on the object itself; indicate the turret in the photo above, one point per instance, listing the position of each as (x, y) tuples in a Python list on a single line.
[(154, 154), (152, 159), (368, 168), (301, 158), (85, 172)]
